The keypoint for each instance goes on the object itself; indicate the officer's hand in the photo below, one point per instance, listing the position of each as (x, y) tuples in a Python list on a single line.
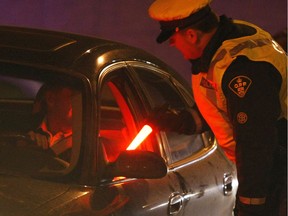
[(40, 139), (173, 120)]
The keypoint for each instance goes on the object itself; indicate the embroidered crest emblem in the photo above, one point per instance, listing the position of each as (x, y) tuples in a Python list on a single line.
[(207, 84), (242, 118), (240, 85)]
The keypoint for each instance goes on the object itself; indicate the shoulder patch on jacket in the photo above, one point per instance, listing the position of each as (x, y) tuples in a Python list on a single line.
[(240, 85)]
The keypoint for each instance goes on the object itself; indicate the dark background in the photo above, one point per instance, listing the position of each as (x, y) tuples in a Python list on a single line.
[(128, 21)]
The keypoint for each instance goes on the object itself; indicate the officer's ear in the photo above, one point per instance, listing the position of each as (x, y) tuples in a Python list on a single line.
[(192, 35)]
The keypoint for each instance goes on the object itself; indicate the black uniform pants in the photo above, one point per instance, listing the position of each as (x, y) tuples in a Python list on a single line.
[(276, 201)]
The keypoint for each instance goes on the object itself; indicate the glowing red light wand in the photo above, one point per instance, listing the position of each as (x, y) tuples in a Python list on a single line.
[(140, 137)]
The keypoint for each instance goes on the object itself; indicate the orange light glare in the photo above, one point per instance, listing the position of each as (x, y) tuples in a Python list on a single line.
[(140, 137)]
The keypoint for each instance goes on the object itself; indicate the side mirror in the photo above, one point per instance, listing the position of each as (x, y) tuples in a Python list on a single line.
[(138, 164)]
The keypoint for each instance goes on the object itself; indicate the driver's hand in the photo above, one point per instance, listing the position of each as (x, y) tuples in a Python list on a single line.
[(40, 139)]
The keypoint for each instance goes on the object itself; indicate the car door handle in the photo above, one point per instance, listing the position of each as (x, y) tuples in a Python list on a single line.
[(175, 203), (227, 184)]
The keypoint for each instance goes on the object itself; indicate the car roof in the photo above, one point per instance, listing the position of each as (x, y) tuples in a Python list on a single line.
[(61, 50)]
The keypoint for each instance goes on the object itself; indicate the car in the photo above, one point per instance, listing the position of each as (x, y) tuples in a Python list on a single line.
[(121, 163)]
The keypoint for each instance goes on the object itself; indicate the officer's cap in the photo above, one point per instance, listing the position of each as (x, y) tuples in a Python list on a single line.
[(174, 15)]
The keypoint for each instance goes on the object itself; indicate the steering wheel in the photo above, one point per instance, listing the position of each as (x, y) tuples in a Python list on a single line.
[(23, 140), (15, 137)]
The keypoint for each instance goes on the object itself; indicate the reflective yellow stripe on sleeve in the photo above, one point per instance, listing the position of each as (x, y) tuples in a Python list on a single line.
[(252, 201)]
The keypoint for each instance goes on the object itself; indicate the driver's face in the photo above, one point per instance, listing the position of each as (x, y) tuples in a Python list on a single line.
[(59, 103)]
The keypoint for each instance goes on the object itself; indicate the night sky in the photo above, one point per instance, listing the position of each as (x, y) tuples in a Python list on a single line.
[(128, 21)]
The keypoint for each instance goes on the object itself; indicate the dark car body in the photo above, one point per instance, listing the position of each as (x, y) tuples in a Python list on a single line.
[(118, 88)]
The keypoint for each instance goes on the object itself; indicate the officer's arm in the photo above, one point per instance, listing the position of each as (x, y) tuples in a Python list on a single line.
[(184, 121), (252, 92)]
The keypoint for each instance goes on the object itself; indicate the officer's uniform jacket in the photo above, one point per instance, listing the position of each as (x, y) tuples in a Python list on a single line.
[(219, 95)]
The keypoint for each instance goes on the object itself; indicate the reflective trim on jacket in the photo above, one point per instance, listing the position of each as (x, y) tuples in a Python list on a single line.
[(207, 86)]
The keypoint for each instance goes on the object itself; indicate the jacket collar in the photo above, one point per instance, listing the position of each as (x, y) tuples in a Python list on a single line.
[(225, 31)]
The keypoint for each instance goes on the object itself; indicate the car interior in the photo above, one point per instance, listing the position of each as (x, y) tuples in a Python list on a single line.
[(20, 107), (117, 126), (20, 112)]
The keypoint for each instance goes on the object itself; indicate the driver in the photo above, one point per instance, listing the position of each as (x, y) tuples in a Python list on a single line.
[(54, 116)]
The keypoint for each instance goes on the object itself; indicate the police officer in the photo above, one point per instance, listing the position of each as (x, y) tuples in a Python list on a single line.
[(239, 84)]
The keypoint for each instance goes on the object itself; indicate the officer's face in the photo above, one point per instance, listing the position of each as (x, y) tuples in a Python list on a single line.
[(186, 41)]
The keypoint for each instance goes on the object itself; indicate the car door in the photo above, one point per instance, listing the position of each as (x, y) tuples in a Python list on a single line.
[(195, 167), (207, 179), (122, 111)]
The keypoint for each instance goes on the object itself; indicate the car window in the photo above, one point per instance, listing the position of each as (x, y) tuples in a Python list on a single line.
[(120, 121), (21, 88), (26, 130), (162, 93), (16, 100)]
